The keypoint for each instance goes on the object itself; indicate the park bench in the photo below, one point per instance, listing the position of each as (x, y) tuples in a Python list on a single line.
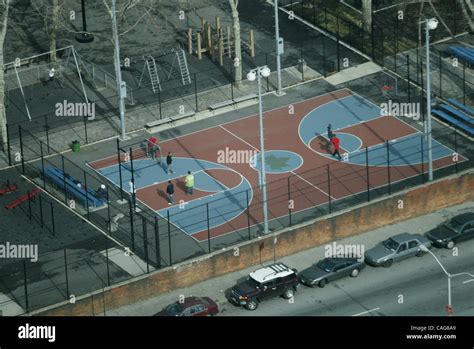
[(245, 98), (169, 120), (453, 121), (221, 104), (461, 106), (457, 114), (463, 53)]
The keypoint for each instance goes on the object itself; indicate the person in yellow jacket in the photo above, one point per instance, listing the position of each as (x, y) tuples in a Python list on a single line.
[(189, 183)]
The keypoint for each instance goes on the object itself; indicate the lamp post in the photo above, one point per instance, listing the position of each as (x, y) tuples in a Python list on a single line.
[(121, 86), (259, 73), (430, 24), (279, 50), (84, 37), (450, 276)]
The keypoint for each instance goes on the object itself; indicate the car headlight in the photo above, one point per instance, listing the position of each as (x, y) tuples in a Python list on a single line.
[(243, 298), (439, 240)]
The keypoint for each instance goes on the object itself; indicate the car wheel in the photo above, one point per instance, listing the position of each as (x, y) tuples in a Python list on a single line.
[(388, 263), (288, 294), (323, 283), (251, 305), (450, 244), (355, 272)]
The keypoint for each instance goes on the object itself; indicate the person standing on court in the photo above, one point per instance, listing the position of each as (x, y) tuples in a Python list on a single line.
[(335, 144), (189, 183), (330, 133), (169, 163), (170, 192)]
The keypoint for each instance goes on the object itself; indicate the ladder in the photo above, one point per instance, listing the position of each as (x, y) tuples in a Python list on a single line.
[(154, 78), (183, 66)]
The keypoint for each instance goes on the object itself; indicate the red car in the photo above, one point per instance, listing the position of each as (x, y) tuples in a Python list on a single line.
[(191, 306)]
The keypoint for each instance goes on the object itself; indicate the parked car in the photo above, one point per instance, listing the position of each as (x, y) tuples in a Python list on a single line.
[(330, 269), (458, 228), (268, 282), (191, 306), (395, 248)]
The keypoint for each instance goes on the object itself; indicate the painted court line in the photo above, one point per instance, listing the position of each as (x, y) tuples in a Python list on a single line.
[(366, 312)]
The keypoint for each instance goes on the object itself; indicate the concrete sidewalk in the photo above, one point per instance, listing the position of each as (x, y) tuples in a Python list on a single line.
[(215, 288)]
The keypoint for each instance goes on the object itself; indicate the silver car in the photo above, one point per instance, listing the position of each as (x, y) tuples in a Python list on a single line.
[(395, 248)]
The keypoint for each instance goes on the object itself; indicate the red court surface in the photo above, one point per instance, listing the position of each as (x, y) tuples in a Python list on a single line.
[(308, 184)]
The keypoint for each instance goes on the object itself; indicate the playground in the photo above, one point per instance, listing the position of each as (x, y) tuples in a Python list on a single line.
[(377, 150)]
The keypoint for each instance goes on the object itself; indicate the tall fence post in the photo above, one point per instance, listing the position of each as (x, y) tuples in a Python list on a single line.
[(169, 236), (408, 79), (338, 44), (25, 284), (323, 38), (46, 128), (66, 273), (195, 93), (329, 188), (42, 165), (22, 154), (29, 205), (41, 210), (208, 228), (248, 213), (157, 243), (120, 169), (9, 150), (64, 180), (107, 259), (367, 170), (132, 228), (145, 244), (464, 83), (52, 219), (422, 160), (87, 195), (159, 104), (289, 201), (388, 168), (456, 154), (86, 136), (132, 189), (440, 76)]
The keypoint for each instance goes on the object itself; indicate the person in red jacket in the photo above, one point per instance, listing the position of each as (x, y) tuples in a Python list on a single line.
[(335, 146)]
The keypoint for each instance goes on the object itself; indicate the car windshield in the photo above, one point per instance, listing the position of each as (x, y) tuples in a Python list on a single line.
[(174, 309), (454, 225), (252, 282), (390, 244), (325, 265)]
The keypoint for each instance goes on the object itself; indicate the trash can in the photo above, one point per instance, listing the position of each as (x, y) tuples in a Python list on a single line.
[(76, 146)]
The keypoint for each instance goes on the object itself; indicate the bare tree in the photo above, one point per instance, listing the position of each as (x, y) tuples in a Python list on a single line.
[(4, 8), (367, 15), (237, 41), (468, 13)]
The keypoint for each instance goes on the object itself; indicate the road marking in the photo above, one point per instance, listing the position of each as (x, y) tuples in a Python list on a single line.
[(239, 138), (470, 280), (366, 312)]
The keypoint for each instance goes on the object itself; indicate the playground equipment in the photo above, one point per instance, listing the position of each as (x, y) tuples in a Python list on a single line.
[(26, 197), (217, 41), (151, 66)]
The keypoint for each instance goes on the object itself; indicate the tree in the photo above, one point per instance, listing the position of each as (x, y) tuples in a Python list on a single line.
[(367, 15), (466, 13), (4, 8), (237, 41)]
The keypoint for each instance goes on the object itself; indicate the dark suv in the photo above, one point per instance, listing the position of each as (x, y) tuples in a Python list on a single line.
[(267, 282)]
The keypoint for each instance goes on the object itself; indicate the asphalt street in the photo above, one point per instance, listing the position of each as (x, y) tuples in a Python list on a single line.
[(413, 287)]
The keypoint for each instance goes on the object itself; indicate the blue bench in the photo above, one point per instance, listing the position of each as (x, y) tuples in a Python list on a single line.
[(466, 54), (461, 106), (85, 195), (457, 113), (450, 119)]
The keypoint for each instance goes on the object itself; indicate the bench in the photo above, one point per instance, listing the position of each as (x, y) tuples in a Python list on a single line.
[(459, 105), (169, 120), (221, 104), (463, 53), (459, 124), (65, 181), (457, 113), (245, 98)]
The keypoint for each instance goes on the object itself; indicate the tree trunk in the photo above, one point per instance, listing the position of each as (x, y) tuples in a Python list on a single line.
[(467, 15), (3, 115), (53, 30), (367, 15), (237, 42)]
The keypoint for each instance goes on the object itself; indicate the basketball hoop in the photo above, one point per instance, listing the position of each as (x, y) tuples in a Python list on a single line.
[(386, 89)]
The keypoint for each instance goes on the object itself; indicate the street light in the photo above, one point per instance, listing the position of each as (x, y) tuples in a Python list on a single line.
[(279, 50), (426, 249), (84, 37), (430, 24), (257, 74)]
